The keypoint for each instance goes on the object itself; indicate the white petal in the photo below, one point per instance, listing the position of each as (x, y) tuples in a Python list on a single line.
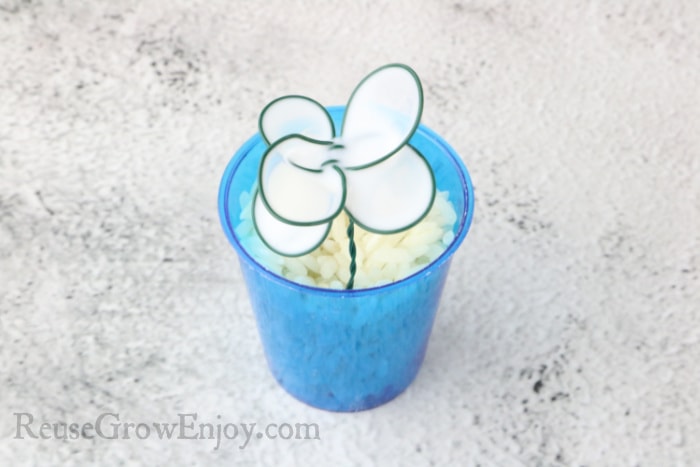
[(382, 114), (295, 115), (296, 195), (392, 195), (283, 238)]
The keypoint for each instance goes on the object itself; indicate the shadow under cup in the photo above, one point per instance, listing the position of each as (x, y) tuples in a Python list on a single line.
[(346, 350)]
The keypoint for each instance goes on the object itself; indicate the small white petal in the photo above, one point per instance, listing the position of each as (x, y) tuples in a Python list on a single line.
[(392, 195), (295, 115), (283, 238)]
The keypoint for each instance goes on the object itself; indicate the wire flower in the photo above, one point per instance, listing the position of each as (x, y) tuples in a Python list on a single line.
[(308, 175)]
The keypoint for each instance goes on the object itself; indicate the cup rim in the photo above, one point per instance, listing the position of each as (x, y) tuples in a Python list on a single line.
[(462, 230)]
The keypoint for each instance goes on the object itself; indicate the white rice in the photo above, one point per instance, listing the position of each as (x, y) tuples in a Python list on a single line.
[(381, 259)]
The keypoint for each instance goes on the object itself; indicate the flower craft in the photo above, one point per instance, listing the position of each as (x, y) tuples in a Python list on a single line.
[(308, 175)]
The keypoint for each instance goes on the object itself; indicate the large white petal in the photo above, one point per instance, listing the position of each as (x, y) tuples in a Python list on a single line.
[(295, 115), (283, 238), (297, 195), (392, 195), (381, 115)]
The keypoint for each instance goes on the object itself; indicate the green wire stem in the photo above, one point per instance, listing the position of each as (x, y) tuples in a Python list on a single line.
[(353, 253)]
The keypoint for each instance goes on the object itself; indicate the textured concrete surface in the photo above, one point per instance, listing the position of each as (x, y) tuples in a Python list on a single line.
[(569, 332)]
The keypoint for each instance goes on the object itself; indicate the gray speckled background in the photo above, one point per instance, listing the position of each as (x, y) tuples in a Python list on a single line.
[(569, 332)]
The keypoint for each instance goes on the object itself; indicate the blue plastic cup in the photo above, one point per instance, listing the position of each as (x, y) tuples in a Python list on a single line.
[(346, 350)]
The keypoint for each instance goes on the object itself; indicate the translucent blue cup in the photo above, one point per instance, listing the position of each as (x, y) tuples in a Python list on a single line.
[(346, 350)]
